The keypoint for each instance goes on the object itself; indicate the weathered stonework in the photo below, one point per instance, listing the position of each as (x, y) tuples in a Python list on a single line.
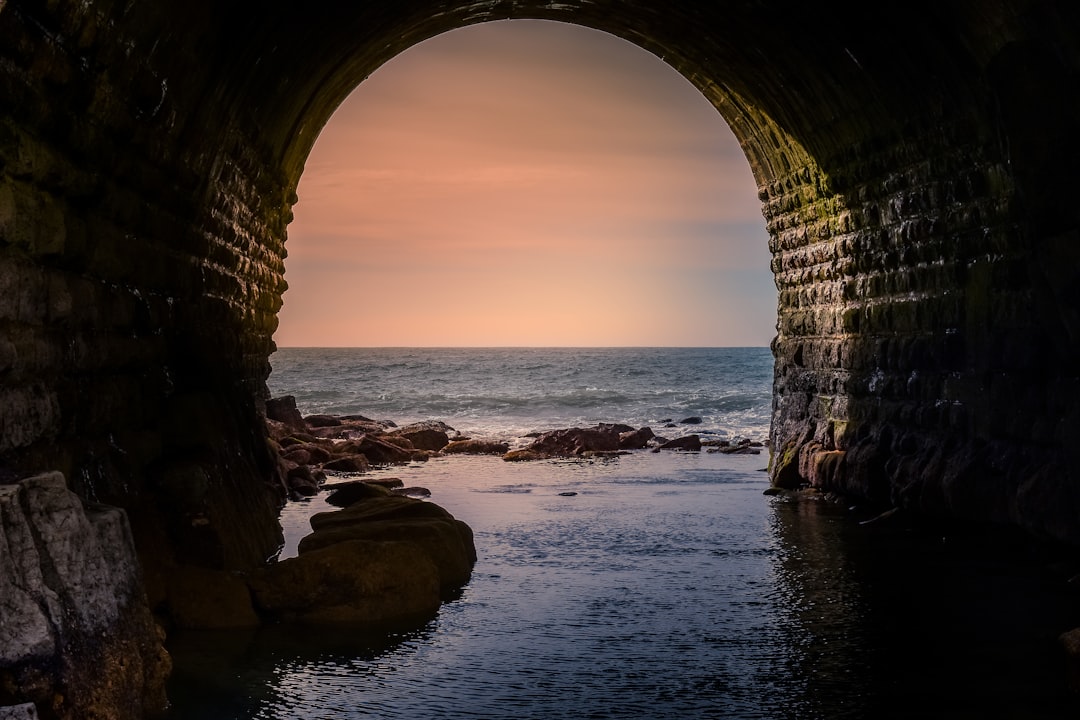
[(916, 167)]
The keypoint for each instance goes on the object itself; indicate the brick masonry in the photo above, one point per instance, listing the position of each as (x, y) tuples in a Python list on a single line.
[(915, 175)]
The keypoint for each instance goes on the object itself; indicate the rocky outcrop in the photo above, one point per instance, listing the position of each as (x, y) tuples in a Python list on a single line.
[(476, 447), (430, 435), (569, 442), (380, 560), (76, 635)]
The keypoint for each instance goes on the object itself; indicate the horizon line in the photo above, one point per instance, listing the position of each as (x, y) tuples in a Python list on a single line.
[(519, 347)]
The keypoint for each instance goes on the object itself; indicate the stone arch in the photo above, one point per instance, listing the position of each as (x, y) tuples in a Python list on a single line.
[(913, 167)]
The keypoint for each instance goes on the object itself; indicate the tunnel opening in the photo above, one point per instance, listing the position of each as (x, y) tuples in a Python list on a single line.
[(910, 168)]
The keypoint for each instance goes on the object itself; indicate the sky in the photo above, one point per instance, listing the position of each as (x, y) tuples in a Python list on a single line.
[(527, 183)]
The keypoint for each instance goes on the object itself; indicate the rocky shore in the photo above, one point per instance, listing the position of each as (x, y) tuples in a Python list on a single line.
[(309, 447)]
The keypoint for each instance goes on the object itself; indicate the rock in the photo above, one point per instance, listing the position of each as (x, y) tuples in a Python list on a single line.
[(567, 494), (428, 435), (297, 454), (670, 425), (524, 456), (386, 482), (635, 439), (1070, 641), (351, 463), (617, 428), (283, 410), (693, 420), (346, 494), (571, 442), (24, 711), (316, 453), (414, 492), (322, 421), (202, 599), (376, 451), (356, 582), (689, 442), (446, 541), (74, 622), (476, 447), (304, 480), (715, 443)]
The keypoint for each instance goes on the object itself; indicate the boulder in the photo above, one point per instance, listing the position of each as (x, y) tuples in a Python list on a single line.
[(447, 542), (346, 494), (569, 442), (74, 621), (203, 599), (283, 410), (356, 582), (635, 439), (322, 421), (414, 492), (377, 451), (688, 442), (304, 480), (351, 463), (476, 447), (428, 435), (613, 427), (693, 420)]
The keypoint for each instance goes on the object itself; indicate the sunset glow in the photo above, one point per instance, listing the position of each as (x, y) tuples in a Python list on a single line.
[(527, 183)]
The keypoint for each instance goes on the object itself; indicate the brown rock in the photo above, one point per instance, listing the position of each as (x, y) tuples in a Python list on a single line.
[(428, 435), (476, 447), (202, 599), (283, 410), (352, 463), (376, 451), (321, 421), (635, 439), (689, 442), (568, 442), (346, 494), (447, 542), (356, 582)]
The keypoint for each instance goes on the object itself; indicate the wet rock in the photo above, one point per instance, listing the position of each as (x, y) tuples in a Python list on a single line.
[(567, 494), (283, 410), (297, 454), (376, 450), (569, 442), (321, 421), (203, 599), (524, 456), (304, 480), (351, 463), (413, 492), (476, 447), (635, 439), (346, 494), (386, 482), (617, 428), (688, 442), (356, 582), (693, 420), (428, 435), (446, 541)]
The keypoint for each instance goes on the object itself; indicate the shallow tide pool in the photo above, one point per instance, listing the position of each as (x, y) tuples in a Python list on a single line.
[(668, 587)]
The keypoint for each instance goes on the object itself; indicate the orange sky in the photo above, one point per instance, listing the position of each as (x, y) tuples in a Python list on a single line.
[(527, 183)]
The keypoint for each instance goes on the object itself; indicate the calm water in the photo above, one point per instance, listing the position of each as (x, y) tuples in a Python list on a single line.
[(668, 587)]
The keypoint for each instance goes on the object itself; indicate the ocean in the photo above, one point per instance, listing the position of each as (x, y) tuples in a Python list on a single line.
[(509, 392), (667, 586)]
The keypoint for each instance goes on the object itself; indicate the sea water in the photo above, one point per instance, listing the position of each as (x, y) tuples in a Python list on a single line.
[(666, 586)]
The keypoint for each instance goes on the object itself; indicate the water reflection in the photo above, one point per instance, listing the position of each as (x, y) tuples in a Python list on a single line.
[(669, 587), (894, 621)]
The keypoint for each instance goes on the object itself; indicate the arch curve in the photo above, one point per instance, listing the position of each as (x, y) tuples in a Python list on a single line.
[(914, 167)]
